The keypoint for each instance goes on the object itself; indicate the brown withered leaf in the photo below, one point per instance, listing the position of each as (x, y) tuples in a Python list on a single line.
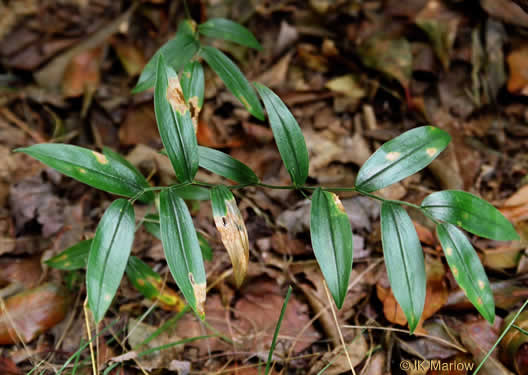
[(32, 312), (139, 332), (34, 198), (234, 236), (391, 57), (440, 24), (258, 312), (9, 367), (26, 272), (435, 297), (139, 127), (130, 56), (478, 338), (518, 80), (82, 76), (514, 344)]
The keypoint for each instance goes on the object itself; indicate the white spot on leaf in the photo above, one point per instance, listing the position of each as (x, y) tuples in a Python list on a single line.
[(392, 155)]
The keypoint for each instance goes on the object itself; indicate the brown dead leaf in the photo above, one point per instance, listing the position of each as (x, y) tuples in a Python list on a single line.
[(357, 350), (139, 332), (32, 312), (130, 56), (514, 344), (34, 198), (82, 76), (478, 337), (391, 57), (440, 24), (506, 10), (258, 312), (26, 272), (518, 80), (140, 127), (435, 297), (285, 244), (9, 367)]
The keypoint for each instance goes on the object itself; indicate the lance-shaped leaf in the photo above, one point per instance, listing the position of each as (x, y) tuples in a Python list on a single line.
[(149, 283), (182, 249), (73, 258), (175, 124), (222, 28), (91, 168), (230, 224), (151, 224), (177, 52), (332, 242), (401, 157), (471, 213), (404, 261), (233, 79), (226, 166), (109, 255), (288, 135), (467, 269)]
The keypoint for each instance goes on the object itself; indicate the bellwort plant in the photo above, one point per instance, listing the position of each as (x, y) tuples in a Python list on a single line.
[(177, 75)]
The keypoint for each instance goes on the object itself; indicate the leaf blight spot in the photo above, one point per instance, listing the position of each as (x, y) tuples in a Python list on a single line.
[(100, 158), (199, 290), (175, 96), (392, 156)]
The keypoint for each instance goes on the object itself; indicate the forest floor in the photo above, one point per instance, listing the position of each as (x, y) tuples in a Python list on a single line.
[(355, 74)]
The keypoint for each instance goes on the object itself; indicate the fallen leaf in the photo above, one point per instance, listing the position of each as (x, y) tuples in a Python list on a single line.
[(82, 76), (30, 313), (139, 332), (140, 127), (337, 359), (506, 10), (435, 297), (34, 198), (391, 57), (518, 80), (478, 337), (514, 344), (26, 272), (130, 56), (440, 24)]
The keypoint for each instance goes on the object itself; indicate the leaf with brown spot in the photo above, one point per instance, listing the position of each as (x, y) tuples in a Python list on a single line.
[(230, 224)]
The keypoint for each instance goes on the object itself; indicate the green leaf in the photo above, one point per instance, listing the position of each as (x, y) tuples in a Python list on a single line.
[(175, 124), (222, 28), (288, 135), (147, 196), (233, 79), (471, 213), (207, 251), (401, 157), (224, 165), (404, 261), (73, 258), (332, 242), (467, 269), (182, 249), (193, 84), (192, 193), (109, 254), (152, 226), (91, 168), (177, 52), (150, 284)]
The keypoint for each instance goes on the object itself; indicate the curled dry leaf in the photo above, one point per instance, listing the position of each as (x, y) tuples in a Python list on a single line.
[(230, 224), (30, 313)]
